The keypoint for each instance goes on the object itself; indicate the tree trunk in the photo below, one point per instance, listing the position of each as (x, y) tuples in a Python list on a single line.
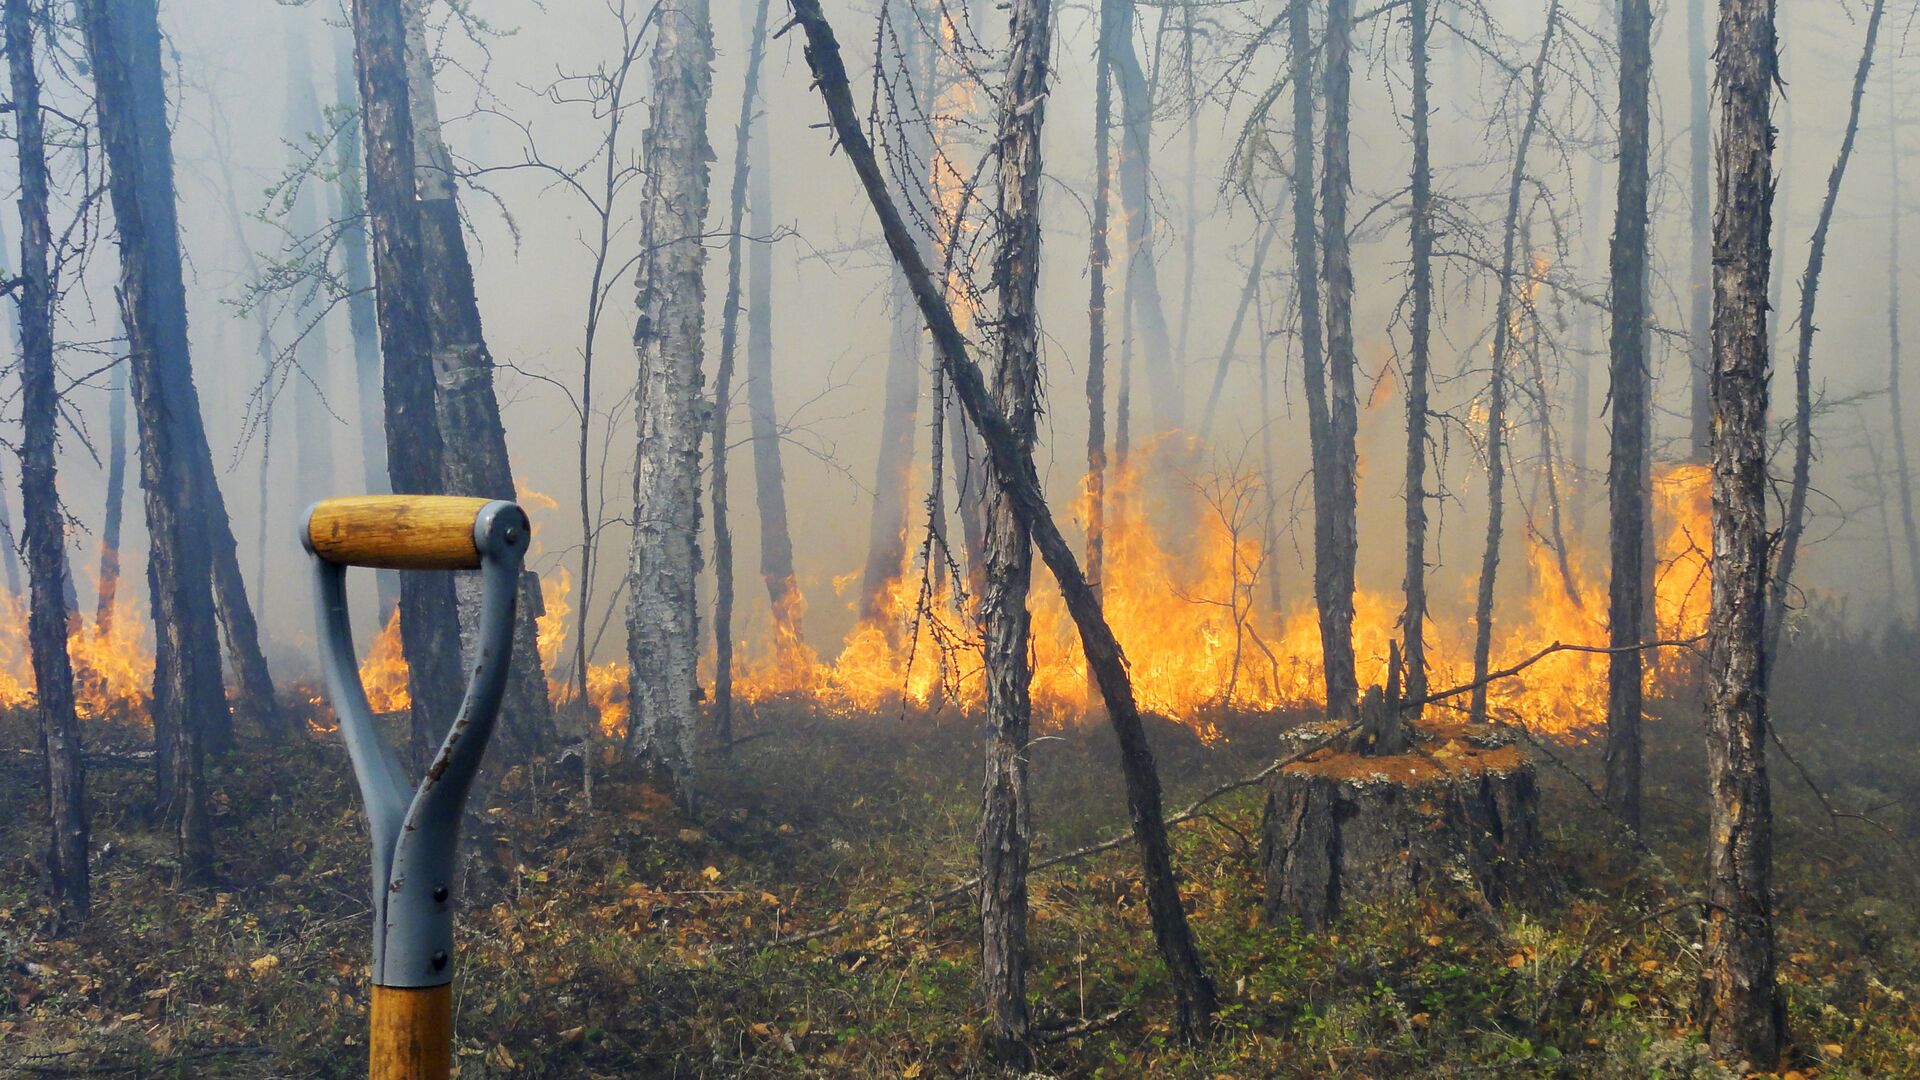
[(1794, 527), (429, 636), (9, 549), (468, 411), (1306, 266), (1136, 198), (893, 471), (723, 389), (1629, 471), (769, 477), (123, 46), (1099, 259), (1744, 1011), (1333, 578), (1413, 621), (312, 427), (662, 623), (41, 521), (1249, 293), (107, 579), (1006, 810), (1896, 413), (350, 208), (1020, 483), (1503, 318), (1700, 247)]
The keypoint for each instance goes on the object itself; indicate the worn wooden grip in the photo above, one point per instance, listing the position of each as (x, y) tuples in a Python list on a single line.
[(396, 532), (410, 1033)]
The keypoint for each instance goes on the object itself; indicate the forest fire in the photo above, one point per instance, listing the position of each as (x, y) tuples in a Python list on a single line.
[(112, 661)]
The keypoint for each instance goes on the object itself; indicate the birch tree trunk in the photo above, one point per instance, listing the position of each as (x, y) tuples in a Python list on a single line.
[(662, 623), (1019, 483), (1744, 1010), (1006, 811), (468, 411), (1503, 319), (1794, 527), (429, 636), (123, 46), (1629, 494), (41, 521), (1413, 621)]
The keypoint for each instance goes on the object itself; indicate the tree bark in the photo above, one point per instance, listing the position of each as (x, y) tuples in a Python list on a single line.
[(189, 704), (1896, 412), (465, 405), (1136, 197), (1503, 318), (1744, 1010), (1794, 527), (662, 623), (723, 390), (350, 209), (429, 636), (107, 578), (1629, 470), (1021, 485), (1006, 810), (1413, 621), (1333, 577), (1099, 259), (1700, 246), (41, 522)]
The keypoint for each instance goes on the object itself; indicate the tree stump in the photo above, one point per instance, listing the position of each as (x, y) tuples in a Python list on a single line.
[(1458, 811)]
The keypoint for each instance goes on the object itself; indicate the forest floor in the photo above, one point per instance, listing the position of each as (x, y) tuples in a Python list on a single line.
[(770, 933)]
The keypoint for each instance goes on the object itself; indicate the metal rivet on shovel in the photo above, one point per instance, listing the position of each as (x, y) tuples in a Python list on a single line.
[(414, 832)]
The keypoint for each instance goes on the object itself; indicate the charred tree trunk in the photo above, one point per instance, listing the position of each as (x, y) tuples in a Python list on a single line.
[(1503, 319), (1099, 259), (769, 477), (1896, 412), (41, 523), (107, 579), (428, 634), (1019, 482), (1413, 621), (1744, 1011), (189, 704), (1006, 810), (1629, 470), (1794, 527), (1136, 197), (1333, 576), (662, 623), (465, 405), (1700, 248), (350, 209), (723, 390)]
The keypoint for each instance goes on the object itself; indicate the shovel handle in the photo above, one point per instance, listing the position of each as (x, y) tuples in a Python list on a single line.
[(396, 532), (410, 1033)]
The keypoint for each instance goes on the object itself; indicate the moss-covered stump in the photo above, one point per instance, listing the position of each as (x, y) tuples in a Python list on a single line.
[(1460, 812)]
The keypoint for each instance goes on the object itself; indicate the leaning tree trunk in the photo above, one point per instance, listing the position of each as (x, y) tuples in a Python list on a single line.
[(356, 274), (1896, 412), (662, 624), (41, 521), (429, 636), (1794, 527), (1629, 470), (1744, 1010), (468, 411), (1503, 318), (1306, 266), (1136, 197), (1006, 810), (723, 390), (1333, 579), (1413, 621), (123, 47), (1019, 482), (1700, 245)]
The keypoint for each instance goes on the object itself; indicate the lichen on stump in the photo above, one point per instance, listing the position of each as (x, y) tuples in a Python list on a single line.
[(1458, 813)]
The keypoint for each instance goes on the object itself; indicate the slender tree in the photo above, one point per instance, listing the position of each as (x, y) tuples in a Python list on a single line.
[(1795, 525), (1413, 621), (189, 704), (41, 520), (1700, 237), (429, 636), (1744, 1011), (1136, 198), (662, 624), (312, 428), (723, 390), (1629, 471), (1338, 516), (1895, 410), (107, 577), (1099, 260), (1006, 812)]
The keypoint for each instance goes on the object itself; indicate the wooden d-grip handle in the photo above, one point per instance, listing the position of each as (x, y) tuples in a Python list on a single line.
[(396, 532)]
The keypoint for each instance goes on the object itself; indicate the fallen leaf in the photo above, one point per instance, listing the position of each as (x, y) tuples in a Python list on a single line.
[(711, 873)]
